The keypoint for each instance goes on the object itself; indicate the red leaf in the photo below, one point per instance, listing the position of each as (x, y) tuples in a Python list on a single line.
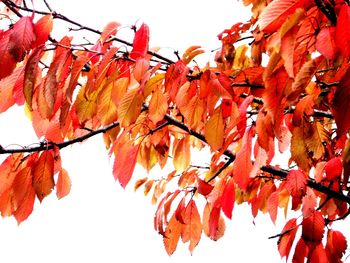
[(172, 235), (336, 245), (22, 38), (286, 240), (333, 168), (341, 104), (226, 107), (228, 198), (7, 61), (204, 188), (7, 171), (272, 205), (241, 176), (42, 30), (296, 183), (313, 227), (325, 43), (140, 43), (301, 252), (125, 160), (213, 223), (318, 255), (43, 175), (342, 34), (63, 184)]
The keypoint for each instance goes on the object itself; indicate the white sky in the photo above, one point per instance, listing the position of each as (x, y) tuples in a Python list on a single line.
[(99, 221)]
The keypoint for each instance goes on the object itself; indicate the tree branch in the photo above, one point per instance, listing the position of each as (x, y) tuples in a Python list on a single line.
[(51, 145)]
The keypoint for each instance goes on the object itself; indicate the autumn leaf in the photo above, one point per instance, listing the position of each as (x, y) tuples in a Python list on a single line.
[(325, 42), (333, 168), (140, 43), (125, 159), (313, 227), (7, 61), (8, 171), (158, 106), (192, 230), (23, 194), (42, 30), (214, 130), (63, 185), (172, 235), (182, 154), (341, 103), (130, 107), (296, 183), (287, 238), (336, 245), (228, 198), (204, 188), (301, 252), (242, 176), (272, 205), (342, 37), (109, 30), (22, 38), (319, 254), (276, 13), (191, 53), (43, 175)]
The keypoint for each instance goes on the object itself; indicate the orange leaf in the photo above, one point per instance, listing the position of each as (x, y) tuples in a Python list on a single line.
[(109, 30), (228, 198), (130, 107), (63, 184), (22, 38), (158, 106), (275, 14), (125, 159), (43, 175), (7, 171), (30, 76), (172, 235), (213, 224), (42, 29), (309, 202), (296, 183), (140, 43), (191, 53), (342, 36), (214, 130), (242, 176), (192, 230), (286, 240), (24, 194), (182, 154), (313, 227)]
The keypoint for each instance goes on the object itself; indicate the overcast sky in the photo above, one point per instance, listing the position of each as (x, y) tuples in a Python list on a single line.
[(99, 221)]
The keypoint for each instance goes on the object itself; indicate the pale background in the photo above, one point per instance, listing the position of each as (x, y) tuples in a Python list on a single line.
[(99, 221)]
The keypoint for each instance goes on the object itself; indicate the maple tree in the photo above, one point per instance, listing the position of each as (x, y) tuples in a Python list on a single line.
[(279, 82)]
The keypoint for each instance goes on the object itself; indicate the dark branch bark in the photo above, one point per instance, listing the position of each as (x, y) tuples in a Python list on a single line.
[(50, 145)]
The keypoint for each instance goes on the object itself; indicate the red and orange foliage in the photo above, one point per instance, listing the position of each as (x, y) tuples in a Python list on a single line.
[(280, 82)]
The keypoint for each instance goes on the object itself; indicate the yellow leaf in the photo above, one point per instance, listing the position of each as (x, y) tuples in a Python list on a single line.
[(106, 109), (153, 83), (130, 107), (191, 53), (85, 105), (214, 130), (182, 154), (158, 106)]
